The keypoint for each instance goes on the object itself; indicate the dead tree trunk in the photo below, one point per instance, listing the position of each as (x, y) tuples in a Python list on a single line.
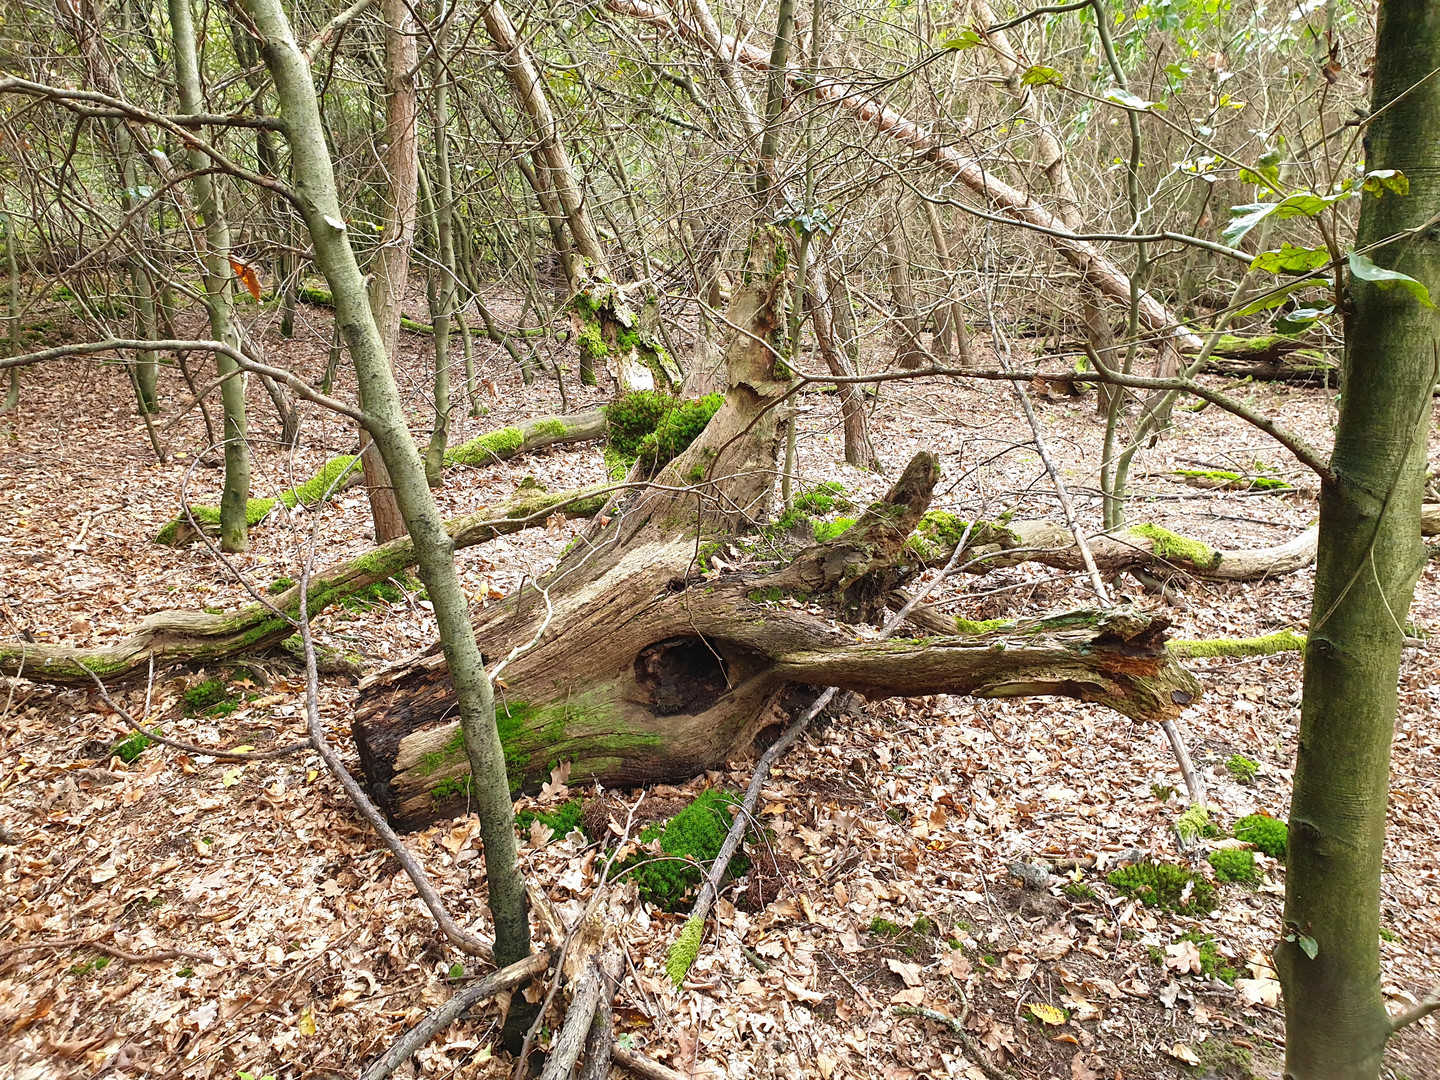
[(634, 666)]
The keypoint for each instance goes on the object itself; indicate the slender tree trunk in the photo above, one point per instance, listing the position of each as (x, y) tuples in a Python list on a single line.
[(439, 293), (1369, 558), (774, 98), (392, 262), (908, 349), (315, 181), (858, 449), (952, 328), (219, 293), (12, 320)]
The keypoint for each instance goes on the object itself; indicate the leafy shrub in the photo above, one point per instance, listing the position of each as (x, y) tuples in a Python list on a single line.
[(689, 841), (1164, 885), (1235, 864), (1270, 835), (1242, 768)]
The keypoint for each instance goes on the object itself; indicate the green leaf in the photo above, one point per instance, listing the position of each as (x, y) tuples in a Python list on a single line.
[(1126, 100), (1365, 270), (1300, 320), (965, 39), (1379, 181), (1279, 296), (1301, 204), (457, 971), (1042, 76), (1290, 260), (1308, 945)]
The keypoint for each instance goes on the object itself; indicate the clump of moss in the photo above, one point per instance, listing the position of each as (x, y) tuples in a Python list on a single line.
[(826, 531), (1234, 481), (563, 820), (881, 927), (208, 518), (983, 626), (279, 585), (1195, 824), (689, 841), (487, 449), (1078, 891), (1270, 835), (824, 499), (324, 485), (1176, 548), (128, 749), (633, 416), (1164, 885), (1286, 640), (205, 696), (1242, 768), (1235, 865), (1213, 963), (678, 428)]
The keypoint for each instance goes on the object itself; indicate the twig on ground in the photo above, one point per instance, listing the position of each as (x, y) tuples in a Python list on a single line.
[(644, 1067), (111, 950), (972, 1050), (1417, 1012), (437, 1020), (601, 1040)]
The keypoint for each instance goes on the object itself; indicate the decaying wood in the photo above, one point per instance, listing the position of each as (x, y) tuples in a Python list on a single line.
[(635, 668), (1138, 547), (168, 637)]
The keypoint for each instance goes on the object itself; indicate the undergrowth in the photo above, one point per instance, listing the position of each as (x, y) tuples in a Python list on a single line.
[(1164, 885), (688, 843)]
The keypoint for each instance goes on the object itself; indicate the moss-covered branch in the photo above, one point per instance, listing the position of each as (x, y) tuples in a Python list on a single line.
[(342, 472), (202, 637)]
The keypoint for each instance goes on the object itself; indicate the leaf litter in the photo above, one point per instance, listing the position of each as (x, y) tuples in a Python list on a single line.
[(887, 883)]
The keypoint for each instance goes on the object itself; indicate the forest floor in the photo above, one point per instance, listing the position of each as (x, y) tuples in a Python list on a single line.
[(303, 950)]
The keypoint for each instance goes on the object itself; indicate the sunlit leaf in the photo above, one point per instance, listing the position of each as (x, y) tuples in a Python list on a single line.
[(965, 39), (1047, 1014), (1290, 260), (1041, 76), (1301, 204), (1125, 99), (248, 275), (1300, 320), (1379, 181), (1365, 270), (1279, 296)]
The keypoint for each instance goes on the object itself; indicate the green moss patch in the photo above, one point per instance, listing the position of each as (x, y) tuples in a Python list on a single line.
[(205, 696), (1267, 645), (824, 499), (128, 749), (1213, 963), (488, 448), (1233, 481), (1195, 824), (563, 820), (984, 626), (1242, 768), (1235, 865), (1173, 547), (1164, 885), (825, 531), (654, 428), (689, 841), (1270, 835)]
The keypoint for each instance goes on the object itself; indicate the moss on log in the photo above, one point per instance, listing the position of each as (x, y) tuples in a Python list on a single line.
[(201, 637)]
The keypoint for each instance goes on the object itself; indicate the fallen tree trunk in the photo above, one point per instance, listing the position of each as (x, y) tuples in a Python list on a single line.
[(200, 638), (1144, 547), (632, 666), (340, 473)]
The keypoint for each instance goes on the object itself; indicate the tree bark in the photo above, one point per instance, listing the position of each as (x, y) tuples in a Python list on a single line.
[(1370, 556), (392, 262), (858, 449), (219, 294), (908, 350), (434, 550)]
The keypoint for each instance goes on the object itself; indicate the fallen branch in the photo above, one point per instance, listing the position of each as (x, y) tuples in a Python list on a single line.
[(972, 1049), (199, 637), (438, 1019), (646, 1068), (111, 950)]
